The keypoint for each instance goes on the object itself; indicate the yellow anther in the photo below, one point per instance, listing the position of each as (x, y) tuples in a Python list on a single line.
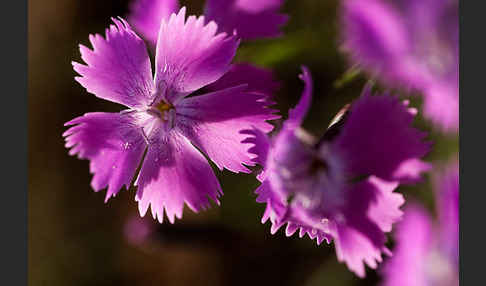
[(163, 107)]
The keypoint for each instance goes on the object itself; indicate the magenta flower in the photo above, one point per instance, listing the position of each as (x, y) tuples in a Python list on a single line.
[(427, 252), (252, 19), (340, 187), (412, 44), (161, 118)]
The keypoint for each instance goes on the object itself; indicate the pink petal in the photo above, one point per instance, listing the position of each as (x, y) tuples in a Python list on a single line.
[(251, 19), (281, 214), (118, 68), (447, 200), (174, 173), (255, 6), (190, 55), (378, 137), (355, 249), (413, 243), (146, 16), (112, 143), (375, 36), (441, 105), (258, 79), (384, 209), (213, 123), (297, 114), (260, 145), (359, 236)]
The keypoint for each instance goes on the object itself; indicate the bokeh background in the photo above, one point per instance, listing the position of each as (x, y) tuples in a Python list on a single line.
[(77, 239)]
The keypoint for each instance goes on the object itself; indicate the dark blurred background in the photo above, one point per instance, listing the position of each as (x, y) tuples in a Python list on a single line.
[(77, 239)]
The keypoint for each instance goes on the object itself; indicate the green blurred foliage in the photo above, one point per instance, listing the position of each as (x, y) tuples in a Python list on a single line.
[(76, 239)]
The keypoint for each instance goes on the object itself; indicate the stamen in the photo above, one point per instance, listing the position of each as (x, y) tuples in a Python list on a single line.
[(163, 107), (163, 110)]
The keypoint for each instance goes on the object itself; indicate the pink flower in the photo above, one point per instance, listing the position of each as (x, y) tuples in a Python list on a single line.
[(173, 128)]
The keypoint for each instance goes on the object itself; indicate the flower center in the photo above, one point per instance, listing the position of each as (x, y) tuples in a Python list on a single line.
[(163, 110), (163, 107), (164, 113)]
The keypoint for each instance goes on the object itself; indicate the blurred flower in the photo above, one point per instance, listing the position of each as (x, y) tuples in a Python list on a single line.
[(341, 187), (427, 253), (251, 19), (161, 118), (411, 43), (137, 230)]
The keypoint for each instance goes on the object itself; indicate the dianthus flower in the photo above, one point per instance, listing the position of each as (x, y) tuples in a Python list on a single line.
[(173, 128), (252, 19), (341, 188), (427, 252), (412, 44)]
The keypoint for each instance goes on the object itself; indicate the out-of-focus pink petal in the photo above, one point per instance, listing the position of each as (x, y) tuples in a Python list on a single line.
[(412, 44), (292, 217), (189, 55), (359, 235), (408, 264), (441, 105), (411, 170), (213, 123), (378, 137), (258, 79), (146, 15), (447, 197), (174, 173), (137, 230), (255, 6), (374, 35), (260, 145), (355, 249), (297, 114), (113, 144), (384, 209), (118, 68), (251, 19)]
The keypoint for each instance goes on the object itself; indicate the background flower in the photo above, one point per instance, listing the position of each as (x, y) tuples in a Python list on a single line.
[(340, 188), (411, 44)]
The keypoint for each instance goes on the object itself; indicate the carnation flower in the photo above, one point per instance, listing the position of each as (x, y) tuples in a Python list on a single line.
[(412, 44), (341, 188), (164, 120)]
